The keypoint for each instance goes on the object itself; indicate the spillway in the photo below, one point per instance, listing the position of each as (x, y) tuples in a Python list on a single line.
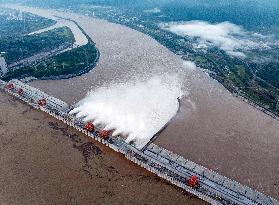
[(213, 187)]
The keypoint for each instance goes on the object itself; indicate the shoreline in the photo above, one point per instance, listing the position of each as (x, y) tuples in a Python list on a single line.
[(84, 71), (214, 188), (249, 101), (233, 130)]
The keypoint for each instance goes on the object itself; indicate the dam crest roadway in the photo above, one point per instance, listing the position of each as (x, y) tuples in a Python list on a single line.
[(213, 188)]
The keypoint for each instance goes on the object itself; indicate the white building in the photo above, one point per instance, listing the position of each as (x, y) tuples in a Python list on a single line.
[(3, 65)]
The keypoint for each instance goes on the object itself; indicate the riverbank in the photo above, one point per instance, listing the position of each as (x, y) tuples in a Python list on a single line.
[(60, 63), (213, 128)]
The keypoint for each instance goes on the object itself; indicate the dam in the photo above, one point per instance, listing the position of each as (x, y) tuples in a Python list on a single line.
[(213, 187)]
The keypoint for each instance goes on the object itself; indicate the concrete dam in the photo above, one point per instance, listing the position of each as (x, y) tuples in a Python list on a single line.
[(191, 177)]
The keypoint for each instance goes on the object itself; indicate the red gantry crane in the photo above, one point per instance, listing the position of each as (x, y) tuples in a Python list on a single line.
[(10, 86), (104, 134), (90, 127), (42, 102), (20, 91), (194, 182)]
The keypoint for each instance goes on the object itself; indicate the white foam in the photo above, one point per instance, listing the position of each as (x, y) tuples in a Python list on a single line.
[(136, 109)]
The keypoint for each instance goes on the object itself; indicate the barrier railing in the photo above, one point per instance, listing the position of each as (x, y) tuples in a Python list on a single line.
[(215, 189)]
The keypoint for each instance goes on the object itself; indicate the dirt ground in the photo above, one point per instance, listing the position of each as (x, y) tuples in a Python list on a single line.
[(45, 162)]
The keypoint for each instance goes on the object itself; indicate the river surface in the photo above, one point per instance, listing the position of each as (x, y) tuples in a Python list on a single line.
[(46, 162), (213, 128), (80, 38)]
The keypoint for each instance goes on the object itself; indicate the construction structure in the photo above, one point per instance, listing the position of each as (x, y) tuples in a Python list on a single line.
[(36, 96), (3, 65), (200, 181)]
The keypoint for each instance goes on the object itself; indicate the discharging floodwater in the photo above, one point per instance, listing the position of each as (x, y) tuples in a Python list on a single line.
[(213, 127)]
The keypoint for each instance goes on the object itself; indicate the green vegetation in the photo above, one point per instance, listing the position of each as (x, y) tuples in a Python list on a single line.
[(241, 72), (42, 50), (257, 82), (270, 74), (19, 48), (201, 60), (73, 62), (14, 23)]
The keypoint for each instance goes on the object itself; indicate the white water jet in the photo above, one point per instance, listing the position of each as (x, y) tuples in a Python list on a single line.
[(136, 109)]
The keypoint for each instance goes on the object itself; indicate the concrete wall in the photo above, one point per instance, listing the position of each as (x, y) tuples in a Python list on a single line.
[(35, 95), (215, 188)]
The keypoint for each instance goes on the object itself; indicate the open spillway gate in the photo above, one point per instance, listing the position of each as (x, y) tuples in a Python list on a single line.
[(213, 188)]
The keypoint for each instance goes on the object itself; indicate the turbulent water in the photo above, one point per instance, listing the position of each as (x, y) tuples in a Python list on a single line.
[(137, 110)]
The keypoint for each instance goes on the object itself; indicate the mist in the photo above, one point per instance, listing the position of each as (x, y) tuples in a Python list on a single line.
[(229, 37), (136, 110)]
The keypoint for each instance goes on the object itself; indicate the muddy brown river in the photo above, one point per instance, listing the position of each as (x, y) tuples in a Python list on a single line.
[(213, 128), (44, 161)]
